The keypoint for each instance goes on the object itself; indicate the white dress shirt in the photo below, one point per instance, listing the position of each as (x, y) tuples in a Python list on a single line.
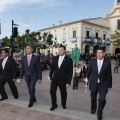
[(29, 56), (99, 64), (29, 59), (4, 62), (77, 70), (61, 58)]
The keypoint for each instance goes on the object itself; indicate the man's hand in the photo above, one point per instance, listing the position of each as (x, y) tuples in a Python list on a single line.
[(85, 86), (14, 80), (19, 80), (67, 85), (49, 81), (39, 81), (109, 89)]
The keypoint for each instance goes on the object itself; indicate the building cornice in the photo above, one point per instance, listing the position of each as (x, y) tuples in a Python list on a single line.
[(96, 24), (80, 21)]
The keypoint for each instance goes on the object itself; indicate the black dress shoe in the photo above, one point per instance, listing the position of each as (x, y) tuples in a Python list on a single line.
[(3, 98), (35, 100), (53, 108), (16, 97), (92, 112), (99, 117), (64, 107), (30, 105)]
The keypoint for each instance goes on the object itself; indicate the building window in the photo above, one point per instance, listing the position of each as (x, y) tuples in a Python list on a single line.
[(96, 35), (55, 38), (104, 36), (55, 30), (119, 24), (74, 34), (118, 1), (64, 35), (49, 32), (63, 28), (87, 33)]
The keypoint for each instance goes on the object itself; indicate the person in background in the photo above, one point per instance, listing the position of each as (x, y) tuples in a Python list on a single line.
[(76, 75), (81, 72), (116, 65)]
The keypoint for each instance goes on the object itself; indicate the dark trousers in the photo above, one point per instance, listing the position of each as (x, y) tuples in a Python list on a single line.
[(31, 87), (63, 92), (75, 82), (12, 87), (102, 99)]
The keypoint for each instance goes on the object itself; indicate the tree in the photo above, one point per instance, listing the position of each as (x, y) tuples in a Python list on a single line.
[(43, 41), (115, 37), (5, 42), (46, 41)]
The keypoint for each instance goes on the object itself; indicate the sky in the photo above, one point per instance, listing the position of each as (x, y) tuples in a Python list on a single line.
[(39, 14)]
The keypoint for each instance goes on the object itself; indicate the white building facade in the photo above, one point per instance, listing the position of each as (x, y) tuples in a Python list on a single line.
[(114, 18), (88, 34)]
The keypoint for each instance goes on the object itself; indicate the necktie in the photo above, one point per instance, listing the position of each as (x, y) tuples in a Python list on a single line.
[(28, 59), (3, 63), (99, 66)]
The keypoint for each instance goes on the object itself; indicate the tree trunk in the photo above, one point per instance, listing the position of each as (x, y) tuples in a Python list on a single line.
[(24, 51), (36, 50)]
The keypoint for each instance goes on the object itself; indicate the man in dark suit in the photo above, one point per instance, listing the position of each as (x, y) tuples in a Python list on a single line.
[(60, 75), (8, 73), (100, 80), (33, 73)]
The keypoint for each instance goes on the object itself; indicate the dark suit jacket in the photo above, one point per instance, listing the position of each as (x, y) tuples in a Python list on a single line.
[(62, 75), (10, 70), (105, 75), (34, 69)]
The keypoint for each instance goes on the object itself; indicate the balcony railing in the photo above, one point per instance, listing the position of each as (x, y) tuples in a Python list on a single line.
[(64, 40), (107, 42), (94, 41), (87, 40), (73, 39)]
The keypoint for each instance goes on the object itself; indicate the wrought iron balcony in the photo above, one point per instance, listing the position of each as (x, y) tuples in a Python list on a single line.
[(87, 40), (73, 39), (64, 40)]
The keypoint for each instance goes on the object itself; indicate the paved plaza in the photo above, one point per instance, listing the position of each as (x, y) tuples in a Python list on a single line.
[(78, 103)]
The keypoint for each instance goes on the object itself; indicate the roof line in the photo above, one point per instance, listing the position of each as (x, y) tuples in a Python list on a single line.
[(69, 23)]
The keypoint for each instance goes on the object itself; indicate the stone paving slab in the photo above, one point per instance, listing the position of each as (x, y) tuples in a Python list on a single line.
[(13, 112), (18, 109)]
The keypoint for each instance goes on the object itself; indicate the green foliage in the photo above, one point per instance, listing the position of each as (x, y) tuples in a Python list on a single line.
[(43, 41), (116, 38), (5, 42)]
